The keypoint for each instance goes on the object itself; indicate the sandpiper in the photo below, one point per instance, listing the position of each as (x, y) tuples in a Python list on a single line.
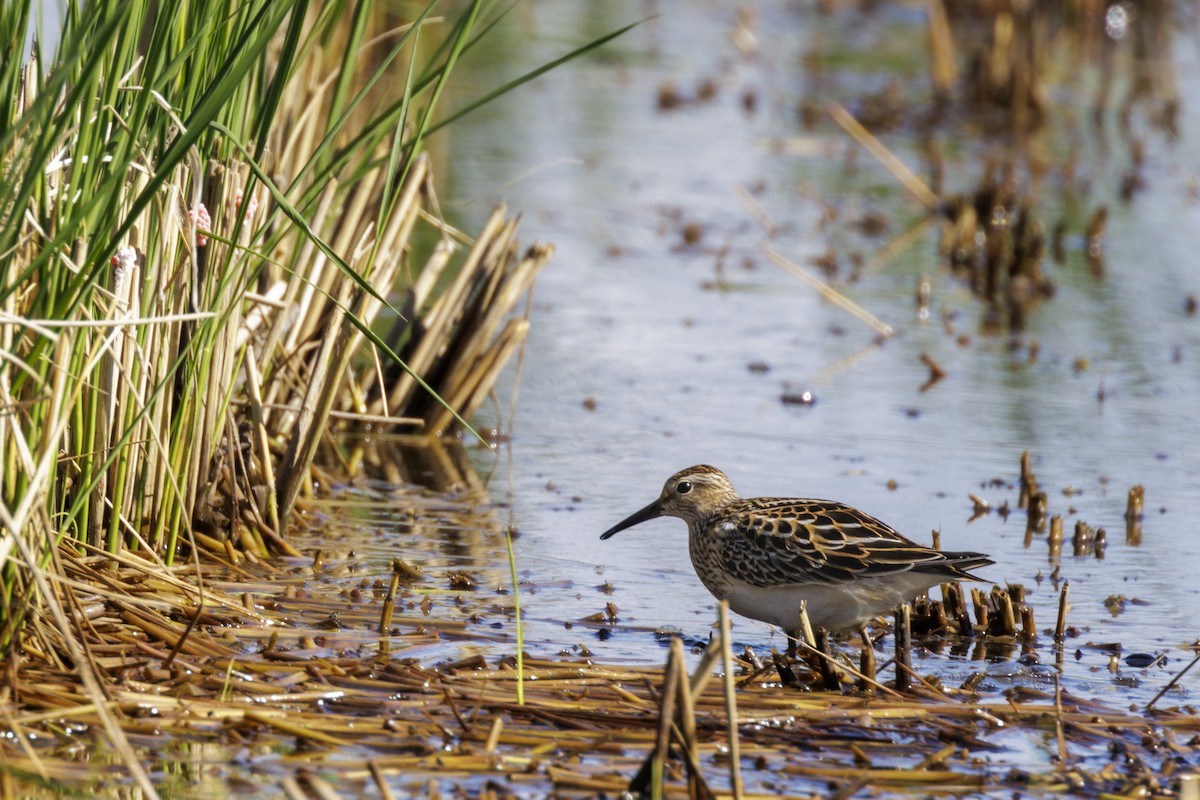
[(767, 554)]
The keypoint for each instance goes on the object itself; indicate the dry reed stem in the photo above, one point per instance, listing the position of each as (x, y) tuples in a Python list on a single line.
[(331, 359), (666, 712), (897, 246), (760, 214), (1060, 626), (462, 346), (686, 728), (439, 320), (1176, 678), (262, 443), (832, 295), (731, 711), (941, 49), (893, 164), (381, 784), (862, 677)]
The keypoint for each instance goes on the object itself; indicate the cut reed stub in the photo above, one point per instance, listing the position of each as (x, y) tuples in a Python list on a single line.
[(1133, 515), (829, 674), (1028, 624), (1029, 484), (1054, 540), (1135, 503), (903, 661), (1038, 507), (1063, 606), (1008, 617), (1083, 541), (866, 665)]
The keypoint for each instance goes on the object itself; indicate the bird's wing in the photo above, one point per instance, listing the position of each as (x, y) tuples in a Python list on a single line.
[(785, 541)]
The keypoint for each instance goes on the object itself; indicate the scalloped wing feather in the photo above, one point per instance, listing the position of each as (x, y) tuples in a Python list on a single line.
[(781, 541)]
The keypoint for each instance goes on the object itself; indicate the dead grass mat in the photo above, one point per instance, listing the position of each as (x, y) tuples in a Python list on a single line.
[(297, 689)]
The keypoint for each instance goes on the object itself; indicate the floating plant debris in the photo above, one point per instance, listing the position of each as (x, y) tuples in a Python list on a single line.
[(797, 397)]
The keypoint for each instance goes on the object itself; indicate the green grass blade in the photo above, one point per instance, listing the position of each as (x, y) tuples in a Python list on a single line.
[(528, 76)]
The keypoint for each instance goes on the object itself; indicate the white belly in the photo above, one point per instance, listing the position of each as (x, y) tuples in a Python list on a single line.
[(834, 607)]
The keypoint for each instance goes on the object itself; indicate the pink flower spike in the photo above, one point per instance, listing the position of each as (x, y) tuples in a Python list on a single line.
[(251, 207), (203, 222)]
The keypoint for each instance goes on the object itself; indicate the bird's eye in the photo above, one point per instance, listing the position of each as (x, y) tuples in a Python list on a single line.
[(683, 488)]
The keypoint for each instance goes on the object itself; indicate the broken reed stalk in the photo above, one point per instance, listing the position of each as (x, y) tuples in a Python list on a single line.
[(465, 339), (677, 722), (1038, 507), (518, 618), (1008, 617), (1059, 722), (666, 712), (1060, 627), (937, 611), (377, 777), (1029, 484), (735, 754), (686, 728), (1028, 624), (942, 69), (866, 664), (829, 673), (903, 661), (1136, 502), (783, 667), (1174, 680), (893, 164), (936, 373), (832, 295), (982, 612), (1055, 539), (956, 607), (389, 607), (862, 677), (1133, 515), (806, 628)]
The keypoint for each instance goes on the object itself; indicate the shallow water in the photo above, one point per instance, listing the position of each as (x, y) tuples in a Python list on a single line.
[(658, 334)]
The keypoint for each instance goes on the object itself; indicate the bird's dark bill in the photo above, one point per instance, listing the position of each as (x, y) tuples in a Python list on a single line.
[(649, 512)]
